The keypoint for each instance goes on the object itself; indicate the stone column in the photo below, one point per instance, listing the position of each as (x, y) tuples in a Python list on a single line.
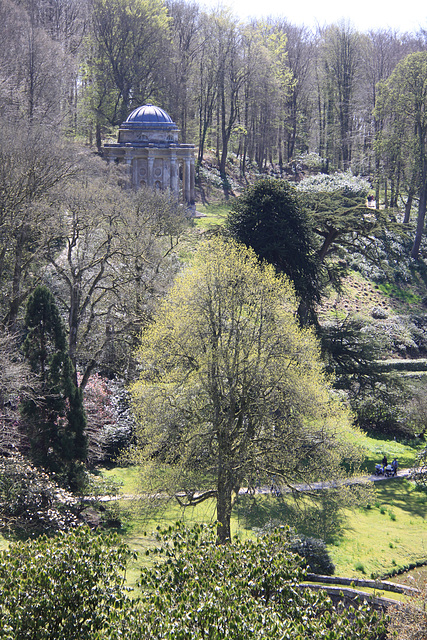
[(187, 177), (128, 161), (166, 179), (192, 180), (150, 182), (174, 183)]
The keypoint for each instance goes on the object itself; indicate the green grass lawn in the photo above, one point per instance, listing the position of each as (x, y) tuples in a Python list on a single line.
[(376, 448), (126, 477), (387, 536), (214, 215)]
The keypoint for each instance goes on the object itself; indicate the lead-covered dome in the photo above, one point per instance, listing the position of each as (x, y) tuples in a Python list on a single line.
[(149, 116)]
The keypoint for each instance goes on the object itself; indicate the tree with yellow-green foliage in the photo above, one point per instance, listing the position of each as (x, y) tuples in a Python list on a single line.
[(231, 388)]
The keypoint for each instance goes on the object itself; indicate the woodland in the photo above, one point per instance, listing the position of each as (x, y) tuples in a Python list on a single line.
[(259, 344)]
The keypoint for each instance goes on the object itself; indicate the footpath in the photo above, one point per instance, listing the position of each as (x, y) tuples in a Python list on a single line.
[(319, 486)]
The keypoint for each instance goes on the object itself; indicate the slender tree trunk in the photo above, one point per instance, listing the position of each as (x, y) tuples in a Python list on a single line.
[(420, 221), (408, 206), (224, 502)]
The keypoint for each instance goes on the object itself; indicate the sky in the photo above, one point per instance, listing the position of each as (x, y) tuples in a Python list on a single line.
[(406, 15)]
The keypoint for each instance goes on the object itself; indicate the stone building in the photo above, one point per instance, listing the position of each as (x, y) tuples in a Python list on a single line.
[(148, 143)]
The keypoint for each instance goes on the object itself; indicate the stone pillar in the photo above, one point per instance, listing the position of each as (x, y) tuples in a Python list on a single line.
[(166, 179), (174, 181), (128, 161), (192, 180), (150, 181), (187, 179)]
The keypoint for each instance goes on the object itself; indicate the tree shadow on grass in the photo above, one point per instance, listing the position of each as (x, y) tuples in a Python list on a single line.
[(319, 516), (400, 493)]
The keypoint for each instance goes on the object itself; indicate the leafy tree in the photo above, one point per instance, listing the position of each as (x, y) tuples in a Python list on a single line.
[(339, 61), (344, 226), (402, 101), (126, 57), (68, 587), (231, 386), (269, 218), (300, 51), (242, 590), (337, 208), (185, 44), (55, 419), (380, 52), (351, 352)]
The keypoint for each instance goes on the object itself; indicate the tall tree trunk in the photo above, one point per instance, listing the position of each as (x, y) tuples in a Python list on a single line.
[(420, 221), (224, 504), (408, 207), (225, 487)]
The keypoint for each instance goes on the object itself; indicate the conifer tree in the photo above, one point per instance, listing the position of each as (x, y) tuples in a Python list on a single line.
[(55, 419)]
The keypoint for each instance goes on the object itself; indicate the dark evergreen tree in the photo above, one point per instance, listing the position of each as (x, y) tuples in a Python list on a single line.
[(55, 419), (269, 218)]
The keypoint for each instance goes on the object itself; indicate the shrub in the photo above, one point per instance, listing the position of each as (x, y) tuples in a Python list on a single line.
[(315, 554), (110, 424), (66, 588), (30, 501), (381, 415), (360, 567), (199, 589)]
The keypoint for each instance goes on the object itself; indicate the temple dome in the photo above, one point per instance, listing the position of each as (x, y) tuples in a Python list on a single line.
[(149, 116)]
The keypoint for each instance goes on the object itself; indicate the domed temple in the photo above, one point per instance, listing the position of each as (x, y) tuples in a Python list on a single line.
[(148, 143)]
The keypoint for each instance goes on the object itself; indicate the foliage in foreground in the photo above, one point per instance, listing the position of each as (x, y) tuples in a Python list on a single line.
[(64, 588), (199, 589), (72, 587)]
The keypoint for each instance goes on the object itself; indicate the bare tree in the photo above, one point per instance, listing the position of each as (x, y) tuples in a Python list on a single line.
[(33, 163), (16, 383), (113, 262)]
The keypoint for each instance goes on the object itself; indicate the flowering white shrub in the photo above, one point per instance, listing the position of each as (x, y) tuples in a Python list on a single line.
[(346, 182), (31, 501)]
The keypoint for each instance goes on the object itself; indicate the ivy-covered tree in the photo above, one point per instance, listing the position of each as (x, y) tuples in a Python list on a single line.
[(55, 420)]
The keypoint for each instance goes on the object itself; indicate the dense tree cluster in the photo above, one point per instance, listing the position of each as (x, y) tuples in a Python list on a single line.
[(267, 90)]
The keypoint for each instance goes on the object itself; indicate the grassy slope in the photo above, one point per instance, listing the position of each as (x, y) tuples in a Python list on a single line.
[(387, 536)]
